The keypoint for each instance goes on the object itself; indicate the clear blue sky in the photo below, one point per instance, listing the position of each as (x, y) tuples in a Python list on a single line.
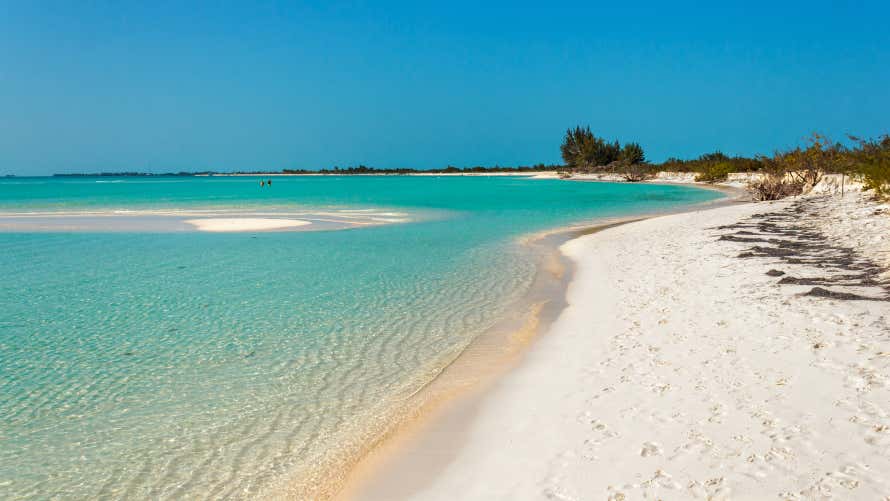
[(158, 86)]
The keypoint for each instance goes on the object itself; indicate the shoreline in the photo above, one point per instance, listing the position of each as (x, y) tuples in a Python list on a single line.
[(454, 406), (625, 408), (480, 363), (486, 359), (524, 330)]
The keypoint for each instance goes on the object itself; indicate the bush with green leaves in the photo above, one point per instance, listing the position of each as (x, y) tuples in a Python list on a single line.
[(715, 172), (786, 173), (712, 167), (632, 154), (871, 161)]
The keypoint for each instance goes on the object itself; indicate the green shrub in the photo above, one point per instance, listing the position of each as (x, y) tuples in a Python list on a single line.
[(877, 177), (714, 172), (709, 165), (632, 154), (871, 160)]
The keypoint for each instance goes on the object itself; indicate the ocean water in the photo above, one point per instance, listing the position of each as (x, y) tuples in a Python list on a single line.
[(168, 365)]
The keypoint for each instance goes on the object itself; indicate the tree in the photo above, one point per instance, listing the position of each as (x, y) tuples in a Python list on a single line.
[(576, 147), (581, 149), (632, 153)]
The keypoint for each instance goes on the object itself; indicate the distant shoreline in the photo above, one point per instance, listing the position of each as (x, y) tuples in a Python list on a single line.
[(336, 171)]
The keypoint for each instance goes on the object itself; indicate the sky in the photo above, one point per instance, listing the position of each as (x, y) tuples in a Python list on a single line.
[(169, 86)]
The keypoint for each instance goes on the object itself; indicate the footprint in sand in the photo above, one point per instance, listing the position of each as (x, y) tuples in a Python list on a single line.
[(650, 449)]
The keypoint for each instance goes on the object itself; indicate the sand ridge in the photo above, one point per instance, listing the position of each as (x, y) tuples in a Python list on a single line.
[(230, 224)]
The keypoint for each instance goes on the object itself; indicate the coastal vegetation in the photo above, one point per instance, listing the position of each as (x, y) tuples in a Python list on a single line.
[(712, 167), (363, 169), (784, 173), (338, 171), (794, 171), (582, 151), (872, 161)]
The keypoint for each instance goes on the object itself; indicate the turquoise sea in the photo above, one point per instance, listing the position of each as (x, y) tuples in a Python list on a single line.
[(181, 364)]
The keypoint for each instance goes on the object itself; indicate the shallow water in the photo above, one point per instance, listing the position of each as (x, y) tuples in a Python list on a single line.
[(183, 364)]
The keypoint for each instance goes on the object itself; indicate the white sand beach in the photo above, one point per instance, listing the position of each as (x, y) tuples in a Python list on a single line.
[(222, 224), (741, 352)]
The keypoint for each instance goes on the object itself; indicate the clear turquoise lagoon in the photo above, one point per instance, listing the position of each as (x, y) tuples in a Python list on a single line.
[(170, 365)]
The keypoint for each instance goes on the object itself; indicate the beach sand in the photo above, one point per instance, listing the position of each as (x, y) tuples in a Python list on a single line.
[(741, 352), (220, 224), (209, 220)]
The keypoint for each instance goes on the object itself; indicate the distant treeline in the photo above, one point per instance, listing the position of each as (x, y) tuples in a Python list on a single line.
[(337, 171), (363, 169), (134, 174), (785, 172), (712, 166)]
